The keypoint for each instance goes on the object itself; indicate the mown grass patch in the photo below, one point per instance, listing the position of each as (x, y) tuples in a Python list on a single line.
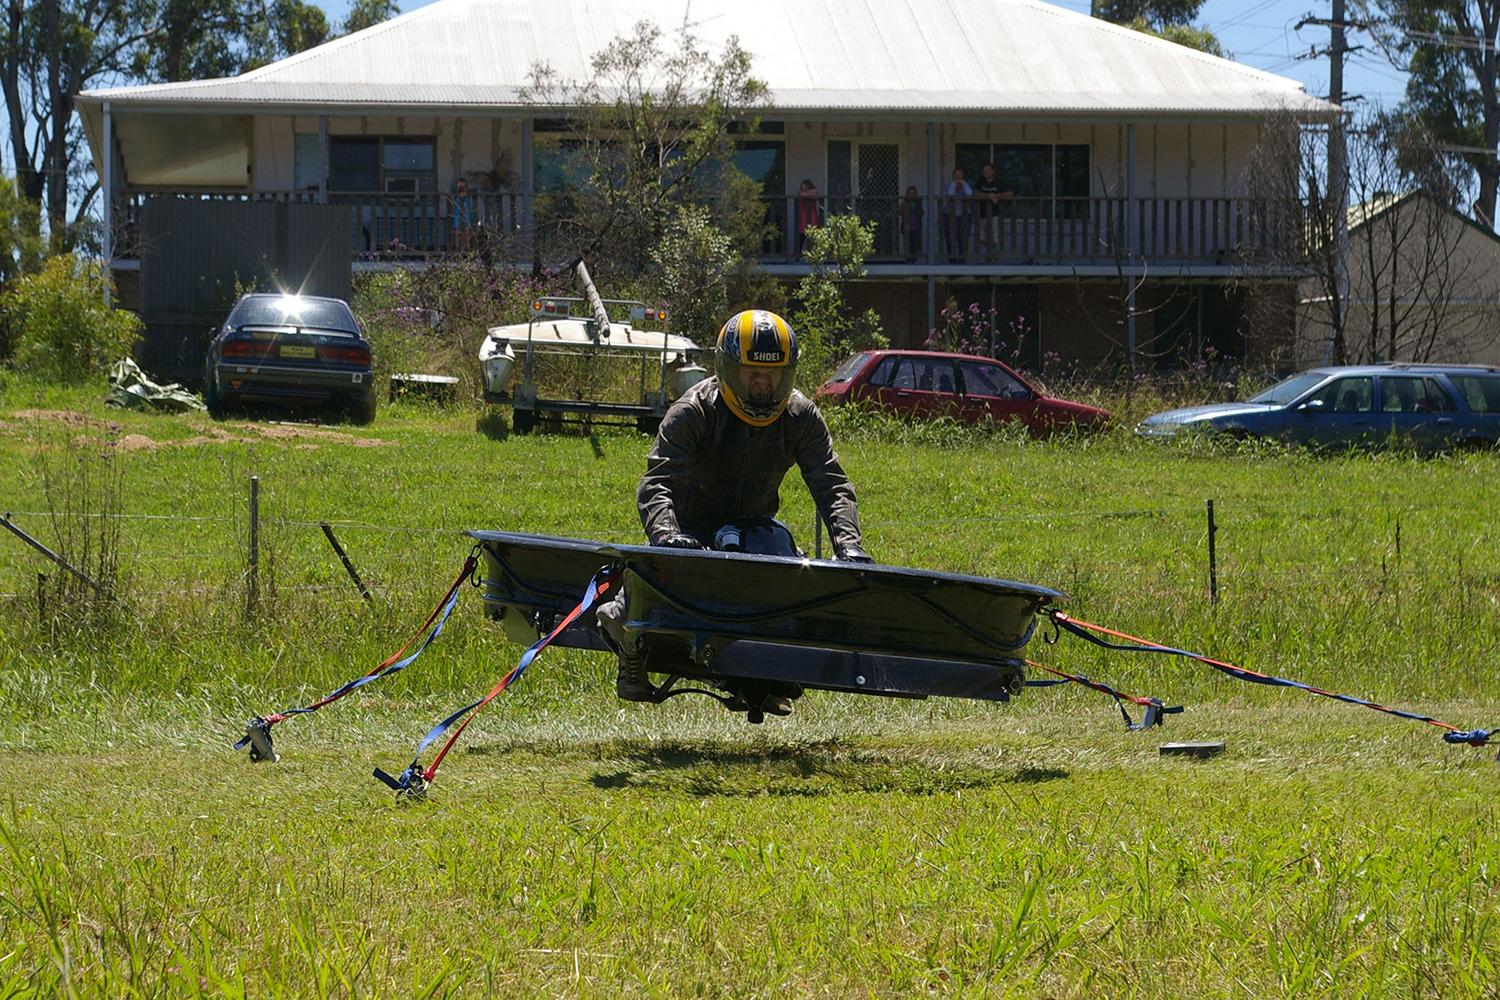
[(578, 846)]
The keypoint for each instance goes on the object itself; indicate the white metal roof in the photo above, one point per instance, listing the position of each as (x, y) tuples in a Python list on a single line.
[(856, 56)]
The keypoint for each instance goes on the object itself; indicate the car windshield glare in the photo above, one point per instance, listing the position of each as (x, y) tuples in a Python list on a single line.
[(848, 369), (1285, 391), (294, 310)]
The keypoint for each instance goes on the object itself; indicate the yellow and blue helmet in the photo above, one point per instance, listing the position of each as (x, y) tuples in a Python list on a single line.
[(756, 361)]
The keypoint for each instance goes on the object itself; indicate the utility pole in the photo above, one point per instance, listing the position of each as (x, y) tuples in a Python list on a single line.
[(1338, 177), (1338, 169), (1338, 173)]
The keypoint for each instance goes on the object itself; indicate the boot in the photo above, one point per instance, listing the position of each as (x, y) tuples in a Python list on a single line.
[(776, 704), (631, 683)]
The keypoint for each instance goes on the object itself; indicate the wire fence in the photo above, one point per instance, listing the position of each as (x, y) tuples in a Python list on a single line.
[(1186, 562), (1155, 569), (1192, 510)]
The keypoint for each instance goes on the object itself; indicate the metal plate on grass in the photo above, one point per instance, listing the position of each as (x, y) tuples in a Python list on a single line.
[(1199, 750)]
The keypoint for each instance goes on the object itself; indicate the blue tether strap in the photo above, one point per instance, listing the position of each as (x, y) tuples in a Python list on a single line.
[(1134, 644)]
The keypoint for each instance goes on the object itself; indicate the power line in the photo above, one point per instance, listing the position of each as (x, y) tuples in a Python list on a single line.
[(1245, 14), (1453, 41), (1263, 49)]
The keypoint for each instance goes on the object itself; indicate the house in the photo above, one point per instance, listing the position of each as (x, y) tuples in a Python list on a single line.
[(1131, 222), (1424, 285)]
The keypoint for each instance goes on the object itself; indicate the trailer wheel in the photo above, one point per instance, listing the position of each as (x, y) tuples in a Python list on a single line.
[(522, 421), (648, 425)]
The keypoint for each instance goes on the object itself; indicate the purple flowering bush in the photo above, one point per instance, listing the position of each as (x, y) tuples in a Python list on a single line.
[(433, 321)]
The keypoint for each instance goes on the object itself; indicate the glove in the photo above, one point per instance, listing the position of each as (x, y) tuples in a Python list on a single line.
[(852, 553), (677, 540)]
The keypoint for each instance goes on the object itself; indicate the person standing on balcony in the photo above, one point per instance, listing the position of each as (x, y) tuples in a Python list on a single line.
[(911, 223), (989, 193), (956, 197), (809, 213), (464, 215)]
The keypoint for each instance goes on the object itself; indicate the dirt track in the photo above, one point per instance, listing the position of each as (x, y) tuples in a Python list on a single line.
[(305, 436)]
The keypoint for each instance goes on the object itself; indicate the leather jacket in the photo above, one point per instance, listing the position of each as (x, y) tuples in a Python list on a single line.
[(708, 468)]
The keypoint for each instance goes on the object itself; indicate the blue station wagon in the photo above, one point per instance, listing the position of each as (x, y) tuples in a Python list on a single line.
[(1427, 406)]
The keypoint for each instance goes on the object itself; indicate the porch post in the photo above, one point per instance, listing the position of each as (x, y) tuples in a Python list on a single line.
[(528, 189), (322, 159), (934, 188), (930, 225), (931, 306), (107, 188), (1132, 241)]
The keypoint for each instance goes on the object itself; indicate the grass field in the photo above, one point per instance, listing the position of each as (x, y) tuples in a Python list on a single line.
[(575, 845)]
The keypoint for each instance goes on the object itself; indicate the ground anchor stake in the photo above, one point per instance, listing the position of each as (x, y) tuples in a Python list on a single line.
[(11, 526), (348, 566), (251, 594), (1213, 559)]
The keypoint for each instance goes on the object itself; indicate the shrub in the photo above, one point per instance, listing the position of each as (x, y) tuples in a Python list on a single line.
[(433, 321), (693, 262), (63, 330), (827, 329)]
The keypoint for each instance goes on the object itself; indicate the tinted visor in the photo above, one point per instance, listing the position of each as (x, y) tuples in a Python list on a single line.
[(762, 391)]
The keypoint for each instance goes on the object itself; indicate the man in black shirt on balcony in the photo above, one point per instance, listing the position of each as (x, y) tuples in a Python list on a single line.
[(989, 193)]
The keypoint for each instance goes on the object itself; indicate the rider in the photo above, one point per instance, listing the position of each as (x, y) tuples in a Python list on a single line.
[(721, 454)]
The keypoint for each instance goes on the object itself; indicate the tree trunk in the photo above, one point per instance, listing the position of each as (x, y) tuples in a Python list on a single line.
[(1489, 167), (1482, 64), (30, 180), (55, 162)]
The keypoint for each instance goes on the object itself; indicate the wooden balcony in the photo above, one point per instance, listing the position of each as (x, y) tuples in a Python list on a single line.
[(1052, 231), (950, 234)]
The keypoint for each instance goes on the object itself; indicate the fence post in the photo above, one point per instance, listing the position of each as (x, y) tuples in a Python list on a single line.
[(41, 598), (252, 595), (1213, 559)]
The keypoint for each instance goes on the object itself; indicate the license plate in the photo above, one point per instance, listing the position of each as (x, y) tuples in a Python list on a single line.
[(298, 351)]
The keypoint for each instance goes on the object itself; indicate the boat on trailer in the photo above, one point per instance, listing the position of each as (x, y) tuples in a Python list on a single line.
[(570, 359)]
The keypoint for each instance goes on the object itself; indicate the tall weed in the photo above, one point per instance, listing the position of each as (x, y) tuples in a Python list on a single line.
[(82, 482)]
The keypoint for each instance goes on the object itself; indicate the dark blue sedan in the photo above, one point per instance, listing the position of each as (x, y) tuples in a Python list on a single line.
[(1427, 406), (290, 347)]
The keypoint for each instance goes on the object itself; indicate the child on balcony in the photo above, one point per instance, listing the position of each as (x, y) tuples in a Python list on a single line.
[(911, 223)]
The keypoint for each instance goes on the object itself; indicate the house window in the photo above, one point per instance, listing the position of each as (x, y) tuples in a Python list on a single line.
[(1049, 180), (307, 161), (865, 176), (408, 166), (559, 165), (394, 165), (764, 162)]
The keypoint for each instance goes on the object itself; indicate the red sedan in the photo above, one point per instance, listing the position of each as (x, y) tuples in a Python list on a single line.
[(928, 384)]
